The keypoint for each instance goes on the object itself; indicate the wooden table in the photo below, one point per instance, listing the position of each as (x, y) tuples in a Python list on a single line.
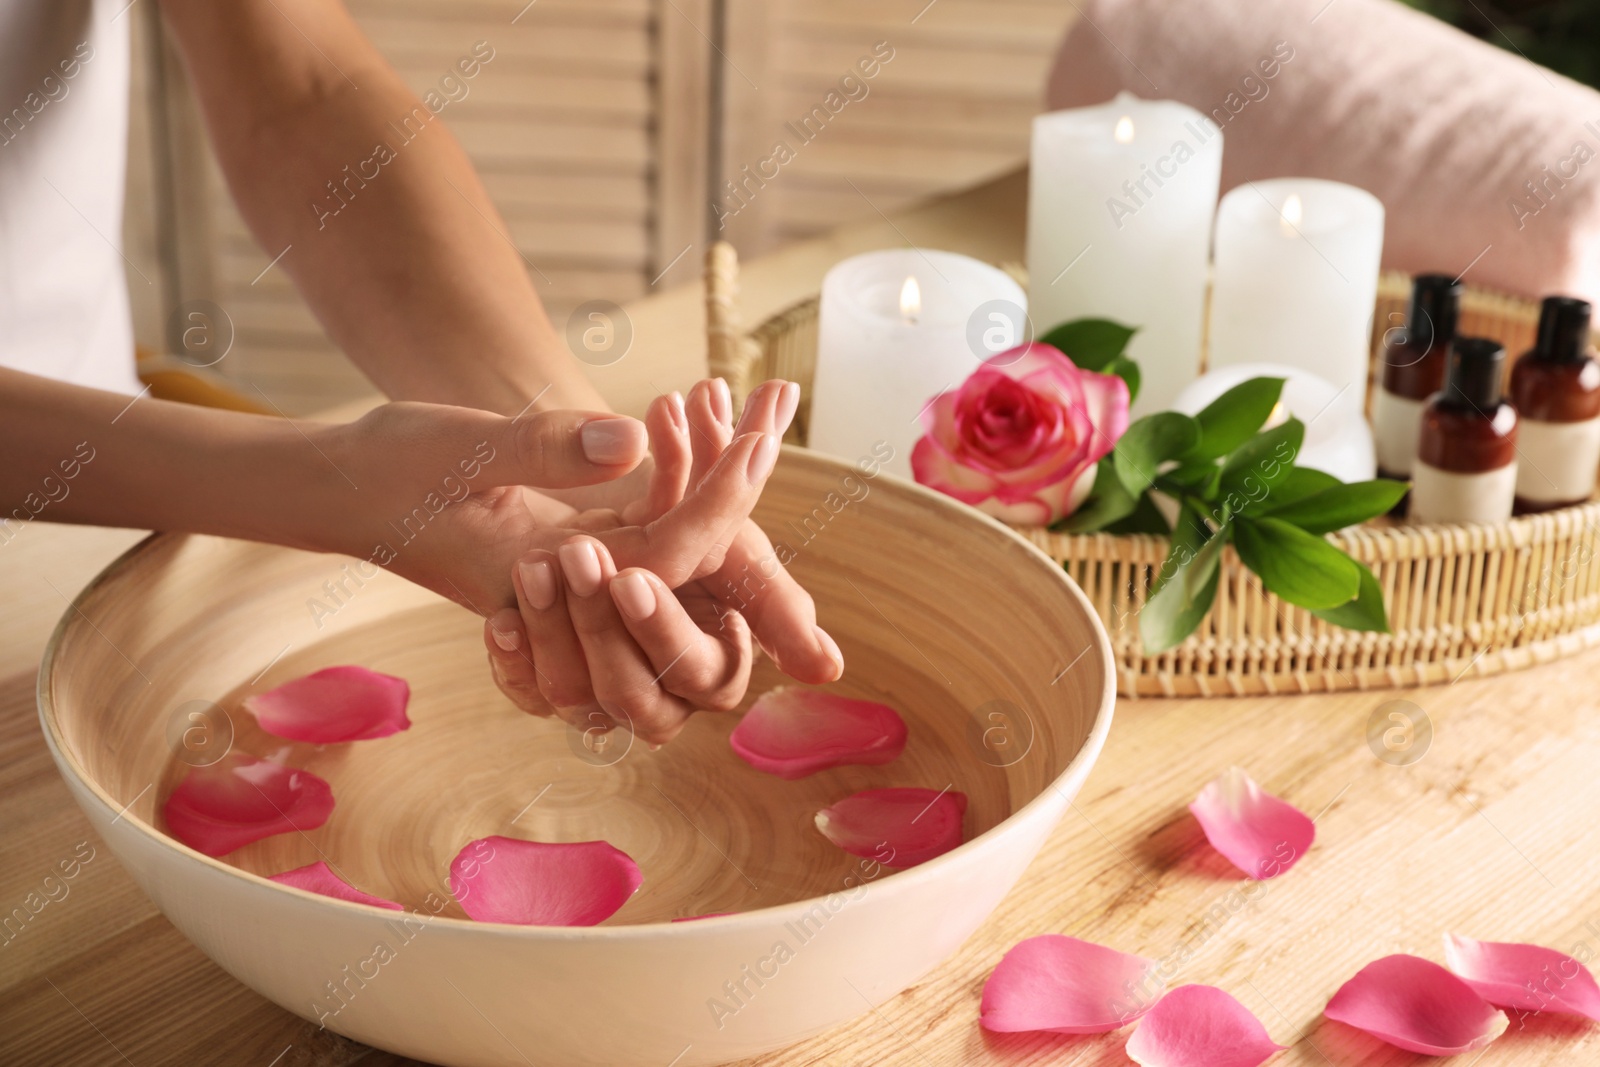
[(1491, 833)]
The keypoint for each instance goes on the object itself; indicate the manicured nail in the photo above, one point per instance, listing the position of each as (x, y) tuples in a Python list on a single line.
[(788, 404), (581, 566), (762, 457), (507, 642), (538, 583), (830, 648), (680, 418), (721, 402), (634, 596), (612, 441)]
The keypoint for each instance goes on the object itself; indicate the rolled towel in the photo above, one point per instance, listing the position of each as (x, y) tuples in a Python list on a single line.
[(1485, 163)]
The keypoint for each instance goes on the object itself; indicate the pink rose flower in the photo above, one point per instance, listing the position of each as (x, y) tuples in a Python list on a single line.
[(1020, 438)]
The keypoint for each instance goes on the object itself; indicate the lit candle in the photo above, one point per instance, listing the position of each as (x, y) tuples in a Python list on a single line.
[(1338, 440), (1297, 277), (1120, 203), (896, 328)]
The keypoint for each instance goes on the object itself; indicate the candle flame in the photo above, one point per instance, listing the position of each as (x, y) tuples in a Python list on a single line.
[(1289, 217), (1124, 131), (910, 299)]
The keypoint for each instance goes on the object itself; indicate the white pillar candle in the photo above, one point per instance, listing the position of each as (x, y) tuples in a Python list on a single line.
[(896, 328), (1338, 440), (1296, 277), (1120, 202)]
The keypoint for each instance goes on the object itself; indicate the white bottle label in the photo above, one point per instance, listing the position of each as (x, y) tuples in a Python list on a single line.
[(1396, 425), (1556, 461), (1451, 496)]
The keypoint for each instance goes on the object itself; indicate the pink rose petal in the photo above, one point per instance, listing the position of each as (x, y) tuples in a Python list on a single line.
[(897, 827), (334, 704), (792, 732), (1200, 1026), (535, 883), (1417, 1005), (1258, 833), (1058, 983), (319, 878), (1513, 975), (240, 799)]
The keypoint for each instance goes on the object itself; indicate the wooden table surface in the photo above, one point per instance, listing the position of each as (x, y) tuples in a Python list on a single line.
[(1490, 833)]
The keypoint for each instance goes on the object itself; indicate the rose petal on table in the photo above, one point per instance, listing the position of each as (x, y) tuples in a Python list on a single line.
[(707, 915), (1067, 986), (899, 827), (1510, 974), (792, 732), (240, 799), (1258, 833), (1417, 1005), (334, 704), (319, 878), (538, 883), (1200, 1026)]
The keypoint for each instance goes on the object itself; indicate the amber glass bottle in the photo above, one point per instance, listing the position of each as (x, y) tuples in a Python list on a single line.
[(1466, 468), (1556, 390), (1412, 369)]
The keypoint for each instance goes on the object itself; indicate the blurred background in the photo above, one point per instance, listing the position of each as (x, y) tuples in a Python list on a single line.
[(1563, 35)]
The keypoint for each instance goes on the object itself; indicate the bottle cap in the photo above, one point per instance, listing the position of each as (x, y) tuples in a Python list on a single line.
[(1435, 306), (1563, 329), (1473, 377)]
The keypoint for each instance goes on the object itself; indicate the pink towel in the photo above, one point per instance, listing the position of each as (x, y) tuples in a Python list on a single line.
[(1486, 163)]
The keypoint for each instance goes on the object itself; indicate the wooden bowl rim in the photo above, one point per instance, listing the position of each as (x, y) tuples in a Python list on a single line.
[(1087, 753)]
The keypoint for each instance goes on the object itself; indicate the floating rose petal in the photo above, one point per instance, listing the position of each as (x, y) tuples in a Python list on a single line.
[(1513, 975), (1417, 1005), (334, 704), (1200, 1026), (534, 883), (240, 799), (696, 918), (897, 827), (793, 732), (1058, 983), (1258, 833), (319, 878)]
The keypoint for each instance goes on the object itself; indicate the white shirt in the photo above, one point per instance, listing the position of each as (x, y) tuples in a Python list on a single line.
[(63, 152)]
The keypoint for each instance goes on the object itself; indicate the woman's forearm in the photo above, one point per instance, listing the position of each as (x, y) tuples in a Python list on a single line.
[(85, 456), (389, 233)]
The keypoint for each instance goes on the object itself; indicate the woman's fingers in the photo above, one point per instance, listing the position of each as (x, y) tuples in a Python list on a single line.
[(755, 584), (709, 410), (511, 665), (705, 661), (624, 679), (668, 425), (561, 674)]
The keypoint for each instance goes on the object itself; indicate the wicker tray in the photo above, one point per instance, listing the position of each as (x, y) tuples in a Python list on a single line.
[(1463, 599)]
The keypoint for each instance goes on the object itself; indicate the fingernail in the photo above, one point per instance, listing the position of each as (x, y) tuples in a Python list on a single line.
[(762, 457), (634, 596), (788, 404), (721, 402), (612, 441), (680, 419), (830, 648), (581, 566), (507, 642), (538, 583)]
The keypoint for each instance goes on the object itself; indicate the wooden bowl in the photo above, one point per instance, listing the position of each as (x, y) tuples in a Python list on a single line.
[(993, 655)]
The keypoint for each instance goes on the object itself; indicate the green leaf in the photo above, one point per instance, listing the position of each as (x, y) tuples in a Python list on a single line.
[(1252, 469), (1107, 502), (1091, 343), (1234, 417), (1201, 479), (1185, 587), (1300, 568), (1340, 505), (1365, 612), (1150, 442), (1128, 371), (1145, 519), (1302, 482)]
